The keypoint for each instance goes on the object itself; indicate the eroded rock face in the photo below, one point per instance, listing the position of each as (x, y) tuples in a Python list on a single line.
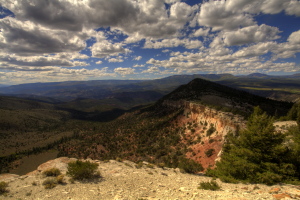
[(205, 129)]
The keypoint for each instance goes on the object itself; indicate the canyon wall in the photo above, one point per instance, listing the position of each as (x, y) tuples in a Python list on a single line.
[(204, 130)]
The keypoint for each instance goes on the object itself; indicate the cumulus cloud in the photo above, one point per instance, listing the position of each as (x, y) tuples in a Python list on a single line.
[(111, 60), (256, 50), (105, 48), (175, 42), (28, 38), (124, 71), (251, 34), (219, 17), (201, 32), (135, 18), (25, 63), (293, 8), (288, 49), (53, 74), (73, 15), (233, 14), (294, 38), (171, 1), (49, 37), (151, 70), (138, 58), (138, 66), (258, 6)]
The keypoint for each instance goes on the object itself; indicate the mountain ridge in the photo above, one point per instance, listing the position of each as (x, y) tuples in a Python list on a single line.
[(268, 86)]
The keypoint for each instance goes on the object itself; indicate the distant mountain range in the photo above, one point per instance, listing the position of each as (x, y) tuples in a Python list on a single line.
[(129, 93), (2, 85)]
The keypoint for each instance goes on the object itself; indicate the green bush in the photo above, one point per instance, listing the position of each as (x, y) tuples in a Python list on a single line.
[(139, 165), (211, 130), (209, 152), (52, 172), (150, 165), (212, 185), (60, 179), (50, 183), (189, 166), (3, 187), (80, 170), (161, 165)]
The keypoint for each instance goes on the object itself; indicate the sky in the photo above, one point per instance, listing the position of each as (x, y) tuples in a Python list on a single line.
[(74, 40)]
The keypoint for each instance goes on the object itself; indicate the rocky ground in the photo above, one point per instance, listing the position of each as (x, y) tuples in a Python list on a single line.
[(123, 180)]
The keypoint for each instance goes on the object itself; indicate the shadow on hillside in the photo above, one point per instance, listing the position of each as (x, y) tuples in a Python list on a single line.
[(105, 116)]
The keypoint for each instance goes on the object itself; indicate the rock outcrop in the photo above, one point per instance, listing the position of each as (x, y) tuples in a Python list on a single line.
[(125, 181)]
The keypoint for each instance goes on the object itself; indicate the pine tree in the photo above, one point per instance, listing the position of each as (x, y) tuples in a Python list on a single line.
[(257, 154)]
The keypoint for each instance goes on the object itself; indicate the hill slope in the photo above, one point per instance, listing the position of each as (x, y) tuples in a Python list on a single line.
[(191, 122), (221, 96)]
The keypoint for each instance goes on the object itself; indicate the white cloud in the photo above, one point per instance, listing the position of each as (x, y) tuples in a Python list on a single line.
[(104, 48), (46, 36), (124, 71), (256, 50), (99, 62), (288, 49), (219, 17), (138, 58), (111, 60), (251, 34), (257, 6), (138, 66), (181, 12), (135, 18), (27, 38), (294, 38), (151, 70), (201, 32), (171, 1), (293, 8), (233, 14), (175, 42), (54, 74), (243, 61), (26, 63)]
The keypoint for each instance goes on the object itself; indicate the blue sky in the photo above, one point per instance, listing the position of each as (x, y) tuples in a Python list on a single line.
[(61, 40)]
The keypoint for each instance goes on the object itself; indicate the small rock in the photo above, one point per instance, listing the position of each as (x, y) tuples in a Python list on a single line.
[(183, 189)]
